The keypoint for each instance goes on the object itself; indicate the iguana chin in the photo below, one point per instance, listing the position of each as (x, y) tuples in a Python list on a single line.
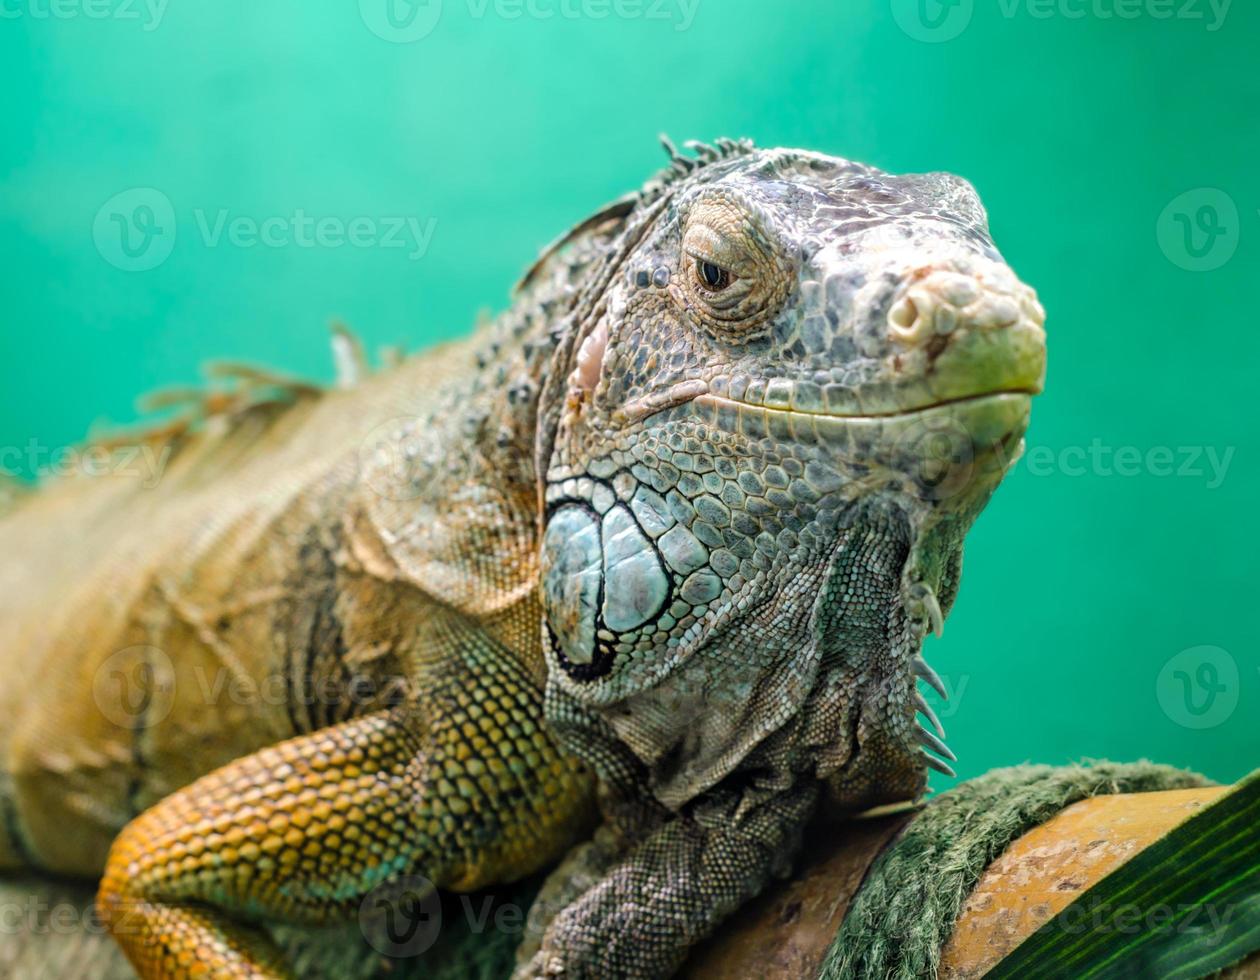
[(664, 538)]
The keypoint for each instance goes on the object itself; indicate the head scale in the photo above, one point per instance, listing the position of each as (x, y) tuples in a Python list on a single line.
[(784, 396)]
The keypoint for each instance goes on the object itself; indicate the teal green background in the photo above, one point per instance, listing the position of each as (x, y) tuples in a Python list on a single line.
[(1084, 584)]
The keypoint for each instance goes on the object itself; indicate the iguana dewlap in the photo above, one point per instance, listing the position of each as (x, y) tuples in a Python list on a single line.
[(664, 539)]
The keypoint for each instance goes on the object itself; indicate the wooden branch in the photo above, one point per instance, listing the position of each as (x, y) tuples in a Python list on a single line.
[(47, 930)]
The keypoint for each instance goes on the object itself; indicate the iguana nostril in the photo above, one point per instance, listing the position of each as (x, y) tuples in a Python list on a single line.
[(904, 313), (904, 320), (941, 302)]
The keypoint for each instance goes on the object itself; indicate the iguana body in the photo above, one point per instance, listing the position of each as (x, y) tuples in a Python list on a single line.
[(414, 621)]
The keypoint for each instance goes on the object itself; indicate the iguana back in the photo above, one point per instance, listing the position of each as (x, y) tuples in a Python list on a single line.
[(291, 567)]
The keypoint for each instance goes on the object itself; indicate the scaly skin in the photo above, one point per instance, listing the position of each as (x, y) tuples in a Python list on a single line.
[(678, 521)]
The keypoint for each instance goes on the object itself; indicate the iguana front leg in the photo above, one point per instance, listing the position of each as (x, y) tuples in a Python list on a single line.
[(299, 831), (465, 788), (674, 886)]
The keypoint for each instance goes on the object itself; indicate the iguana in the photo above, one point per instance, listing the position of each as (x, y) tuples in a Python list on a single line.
[(639, 572)]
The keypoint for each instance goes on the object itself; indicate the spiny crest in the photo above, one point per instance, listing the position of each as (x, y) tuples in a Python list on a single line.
[(236, 393), (682, 166)]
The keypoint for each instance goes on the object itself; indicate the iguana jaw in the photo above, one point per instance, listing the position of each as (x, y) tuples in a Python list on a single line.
[(971, 425), (707, 396), (988, 408)]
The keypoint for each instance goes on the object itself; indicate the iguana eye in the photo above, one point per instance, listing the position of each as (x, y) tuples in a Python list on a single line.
[(735, 277), (712, 277)]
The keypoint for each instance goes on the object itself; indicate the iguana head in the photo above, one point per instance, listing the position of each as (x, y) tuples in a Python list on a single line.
[(791, 385)]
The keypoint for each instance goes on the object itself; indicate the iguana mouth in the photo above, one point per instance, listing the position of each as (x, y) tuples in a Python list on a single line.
[(718, 401), (999, 409)]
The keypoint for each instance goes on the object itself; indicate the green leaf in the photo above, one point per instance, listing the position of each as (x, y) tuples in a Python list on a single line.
[(1184, 907)]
